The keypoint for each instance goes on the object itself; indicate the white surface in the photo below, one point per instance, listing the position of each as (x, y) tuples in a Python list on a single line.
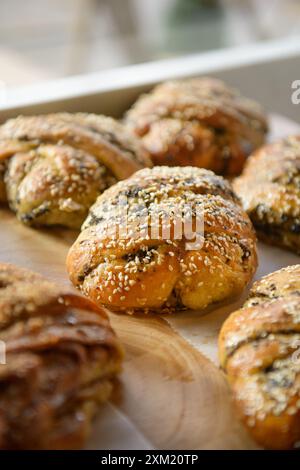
[(145, 74)]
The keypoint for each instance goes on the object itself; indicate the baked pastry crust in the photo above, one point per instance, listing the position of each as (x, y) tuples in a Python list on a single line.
[(259, 347), (58, 164), (61, 359), (159, 271), (199, 122), (269, 188)]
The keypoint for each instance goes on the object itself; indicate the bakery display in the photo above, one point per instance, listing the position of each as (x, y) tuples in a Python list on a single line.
[(199, 122), (53, 167), (147, 267), (61, 359), (269, 188), (259, 348)]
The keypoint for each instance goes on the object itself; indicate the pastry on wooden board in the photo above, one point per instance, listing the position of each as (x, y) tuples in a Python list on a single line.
[(269, 188), (53, 167), (2, 183), (61, 359), (199, 122), (259, 347), (151, 270)]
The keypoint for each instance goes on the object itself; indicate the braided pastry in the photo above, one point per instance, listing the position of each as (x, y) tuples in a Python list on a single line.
[(61, 358), (270, 191), (199, 122), (58, 164), (155, 267), (259, 348)]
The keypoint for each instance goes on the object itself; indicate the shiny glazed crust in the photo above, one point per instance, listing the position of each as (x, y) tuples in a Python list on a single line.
[(199, 122), (142, 270), (61, 359), (269, 188), (259, 347), (56, 165)]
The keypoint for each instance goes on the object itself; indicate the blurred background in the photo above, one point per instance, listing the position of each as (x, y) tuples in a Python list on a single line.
[(46, 39)]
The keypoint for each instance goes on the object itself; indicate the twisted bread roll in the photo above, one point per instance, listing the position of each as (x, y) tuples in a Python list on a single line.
[(58, 164), (199, 122), (61, 358), (259, 348), (152, 265), (270, 191)]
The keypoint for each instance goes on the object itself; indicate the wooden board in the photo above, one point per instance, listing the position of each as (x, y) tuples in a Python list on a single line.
[(172, 395)]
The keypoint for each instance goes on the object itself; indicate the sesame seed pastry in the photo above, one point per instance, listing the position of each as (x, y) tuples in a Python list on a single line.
[(156, 268), (2, 184), (61, 359), (53, 167), (199, 122), (269, 188), (259, 349)]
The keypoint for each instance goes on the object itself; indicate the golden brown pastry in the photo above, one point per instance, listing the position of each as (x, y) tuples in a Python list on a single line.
[(269, 188), (199, 122), (58, 164), (259, 348), (61, 359), (153, 266)]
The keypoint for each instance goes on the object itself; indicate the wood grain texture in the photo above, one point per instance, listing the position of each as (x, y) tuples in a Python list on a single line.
[(173, 394)]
